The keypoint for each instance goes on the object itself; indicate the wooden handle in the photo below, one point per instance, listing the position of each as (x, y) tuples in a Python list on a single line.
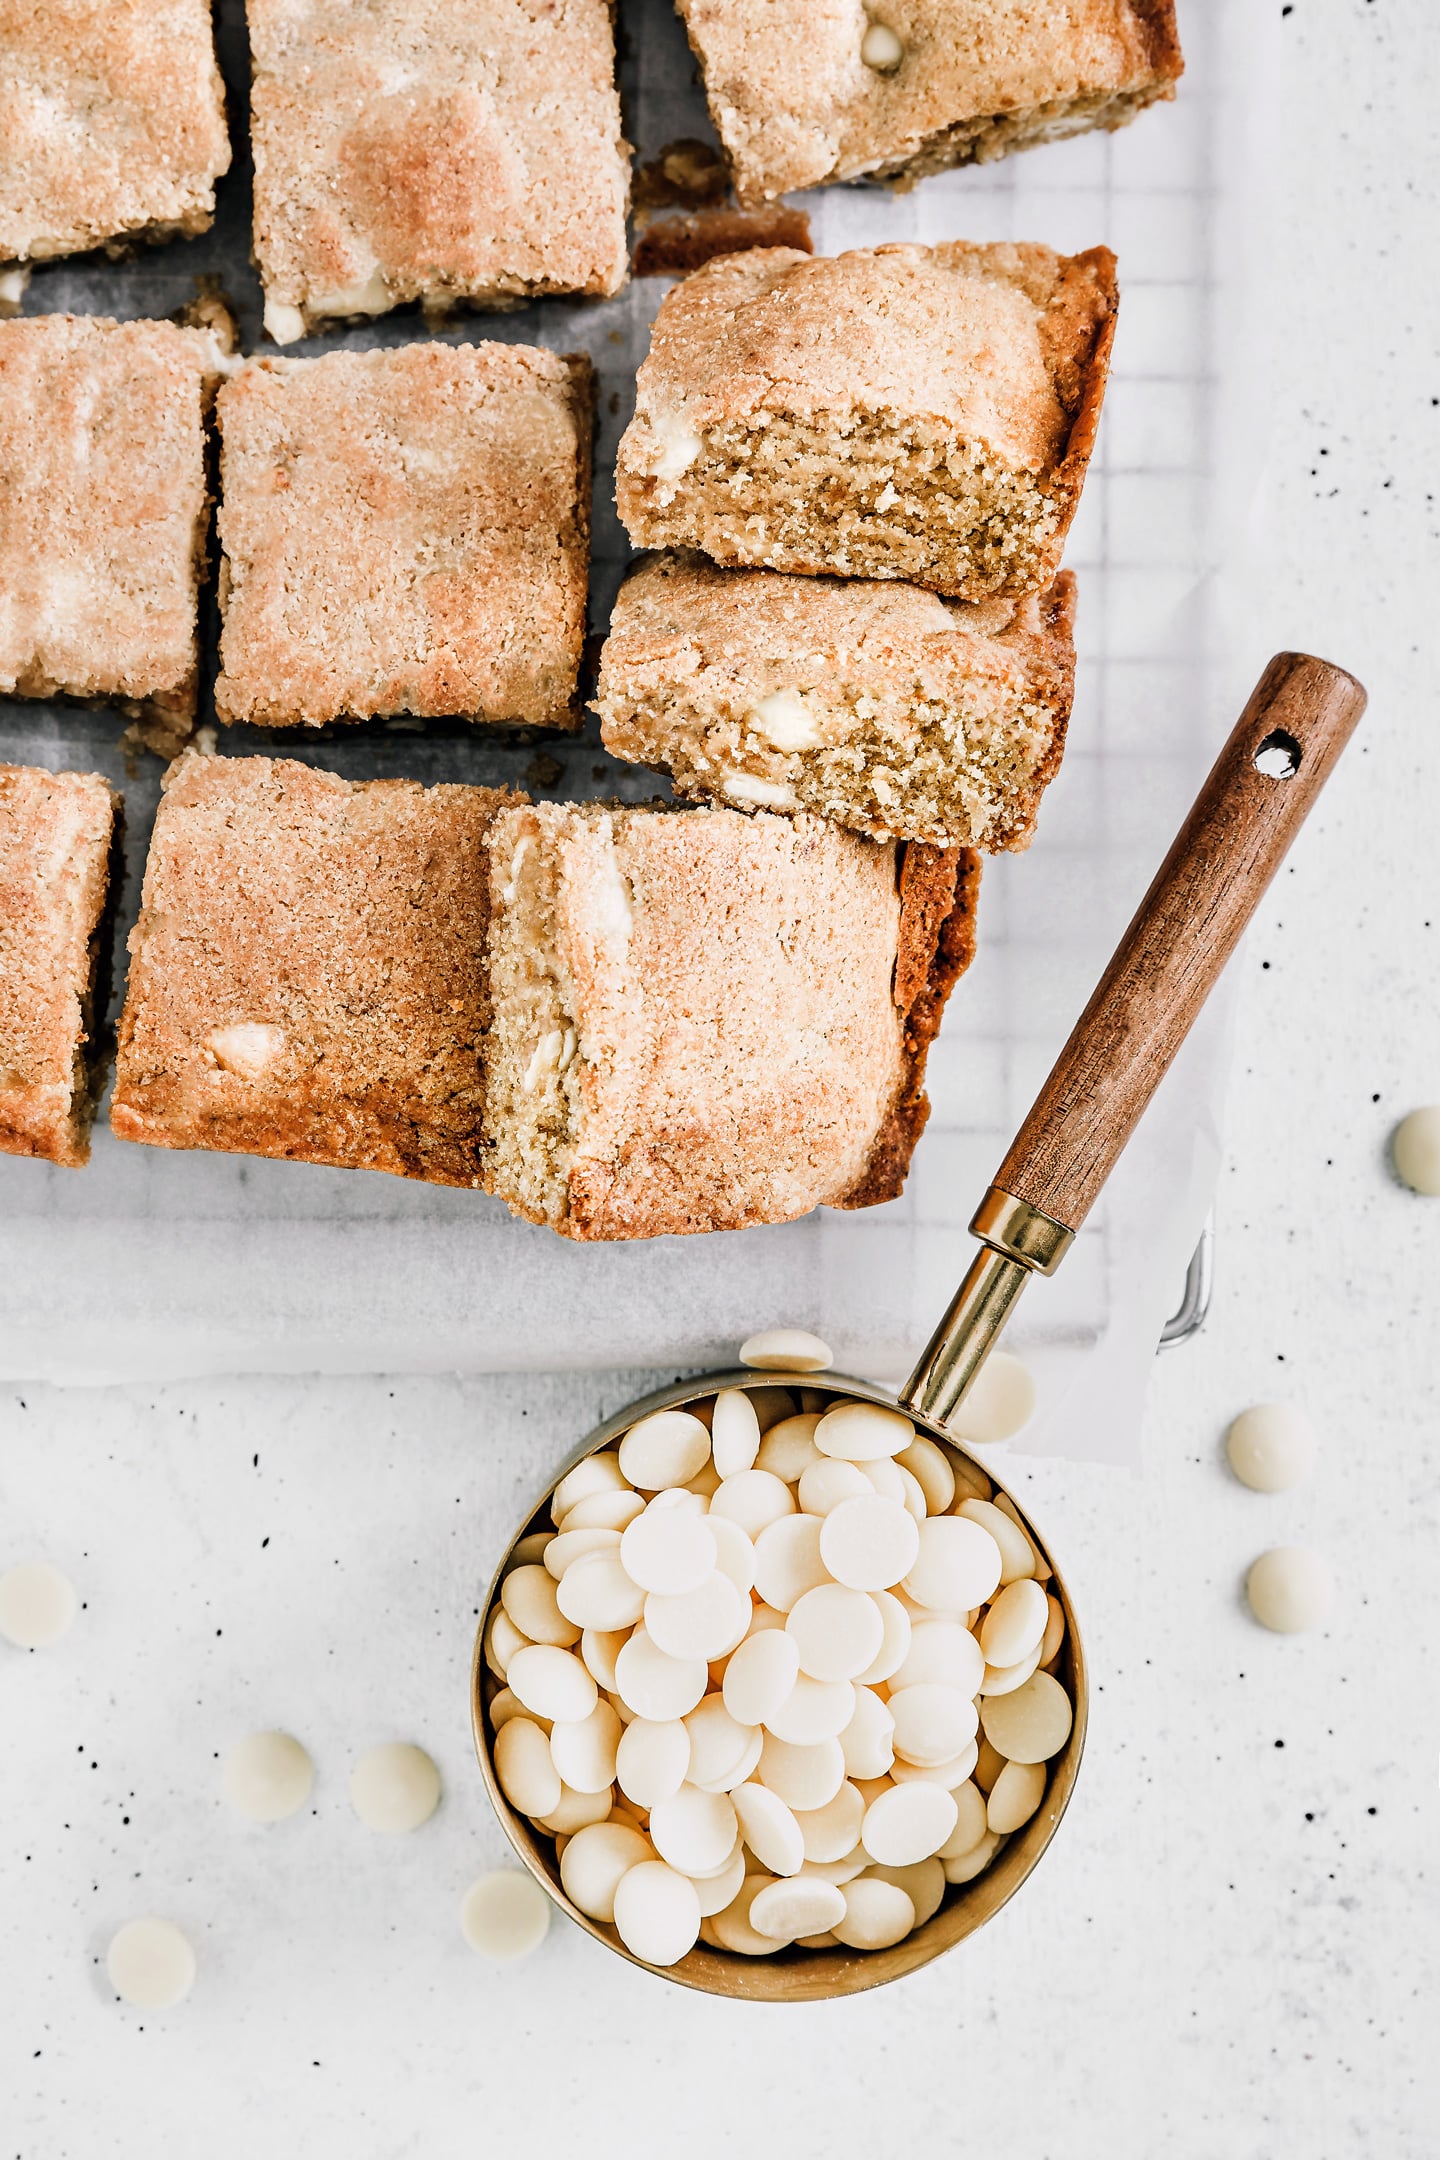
[(1262, 787)]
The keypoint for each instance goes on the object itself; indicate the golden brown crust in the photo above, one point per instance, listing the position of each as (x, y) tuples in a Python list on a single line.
[(939, 893), (112, 124), (976, 78), (307, 974), (55, 841), (104, 508), (445, 150), (902, 411), (405, 531)]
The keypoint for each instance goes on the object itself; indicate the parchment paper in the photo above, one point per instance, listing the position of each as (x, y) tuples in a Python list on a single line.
[(151, 1264)]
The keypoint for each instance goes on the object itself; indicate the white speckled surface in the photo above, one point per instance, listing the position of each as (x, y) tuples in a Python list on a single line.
[(1227, 1955)]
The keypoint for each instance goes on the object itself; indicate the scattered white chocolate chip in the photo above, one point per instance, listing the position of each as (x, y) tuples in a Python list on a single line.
[(396, 1787), (1271, 1447), (881, 49), (504, 1915), (1289, 1589), (150, 1964), (1001, 1401), (247, 1049), (267, 1776), (759, 792), (37, 1605), (283, 323), (786, 1350), (1415, 1150)]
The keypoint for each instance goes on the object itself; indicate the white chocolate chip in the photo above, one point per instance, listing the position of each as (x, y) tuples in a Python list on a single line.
[(505, 1915), (396, 1787), (283, 323), (150, 1964), (881, 49), (37, 1605), (1289, 1590), (248, 1048), (267, 1776), (676, 447), (785, 721), (1271, 1447), (1001, 1401), (758, 792)]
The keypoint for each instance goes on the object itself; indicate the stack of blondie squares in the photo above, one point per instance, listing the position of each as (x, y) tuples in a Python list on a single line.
[(849, 643)]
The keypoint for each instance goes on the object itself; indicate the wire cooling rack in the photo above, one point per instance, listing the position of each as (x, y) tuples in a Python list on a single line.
[(152, 1263)]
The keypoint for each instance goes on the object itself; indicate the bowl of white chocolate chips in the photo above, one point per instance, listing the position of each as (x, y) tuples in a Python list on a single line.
[(776, 1692)]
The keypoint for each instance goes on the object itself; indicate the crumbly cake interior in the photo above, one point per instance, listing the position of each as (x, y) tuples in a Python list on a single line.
[(531, 1048), (923, 768), (894, 496), (881, 706), (996, 135)]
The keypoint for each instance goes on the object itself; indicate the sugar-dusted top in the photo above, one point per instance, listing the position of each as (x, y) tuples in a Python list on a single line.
[(796, 103), (991, 342), (102, 503), (404, 531), (112, 119), (307, 970), (426, 146)]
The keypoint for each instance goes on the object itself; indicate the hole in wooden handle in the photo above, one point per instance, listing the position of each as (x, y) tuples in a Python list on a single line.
[(1278, 757)]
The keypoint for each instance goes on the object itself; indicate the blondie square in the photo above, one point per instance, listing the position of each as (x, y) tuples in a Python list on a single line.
[(896, 412), (703, 1020), (55, 838), (307, 976), (112, 124), (435, 150), (405, 532), (879, 704), (899, 88), (104, 509)]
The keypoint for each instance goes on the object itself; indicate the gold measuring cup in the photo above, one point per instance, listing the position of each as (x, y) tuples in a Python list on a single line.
[(1258, 794)]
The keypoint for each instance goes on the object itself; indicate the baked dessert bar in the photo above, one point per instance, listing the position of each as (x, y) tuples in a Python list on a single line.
[(899, 88), (307, 974), (900, 412), (879, 704), (56, 831), (436, 150), (703, 1020), (405, 532), (112, 124), (104, 509)]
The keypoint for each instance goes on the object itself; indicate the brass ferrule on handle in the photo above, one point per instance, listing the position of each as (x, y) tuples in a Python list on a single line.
[(1019, 1241), (1279, 755)]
